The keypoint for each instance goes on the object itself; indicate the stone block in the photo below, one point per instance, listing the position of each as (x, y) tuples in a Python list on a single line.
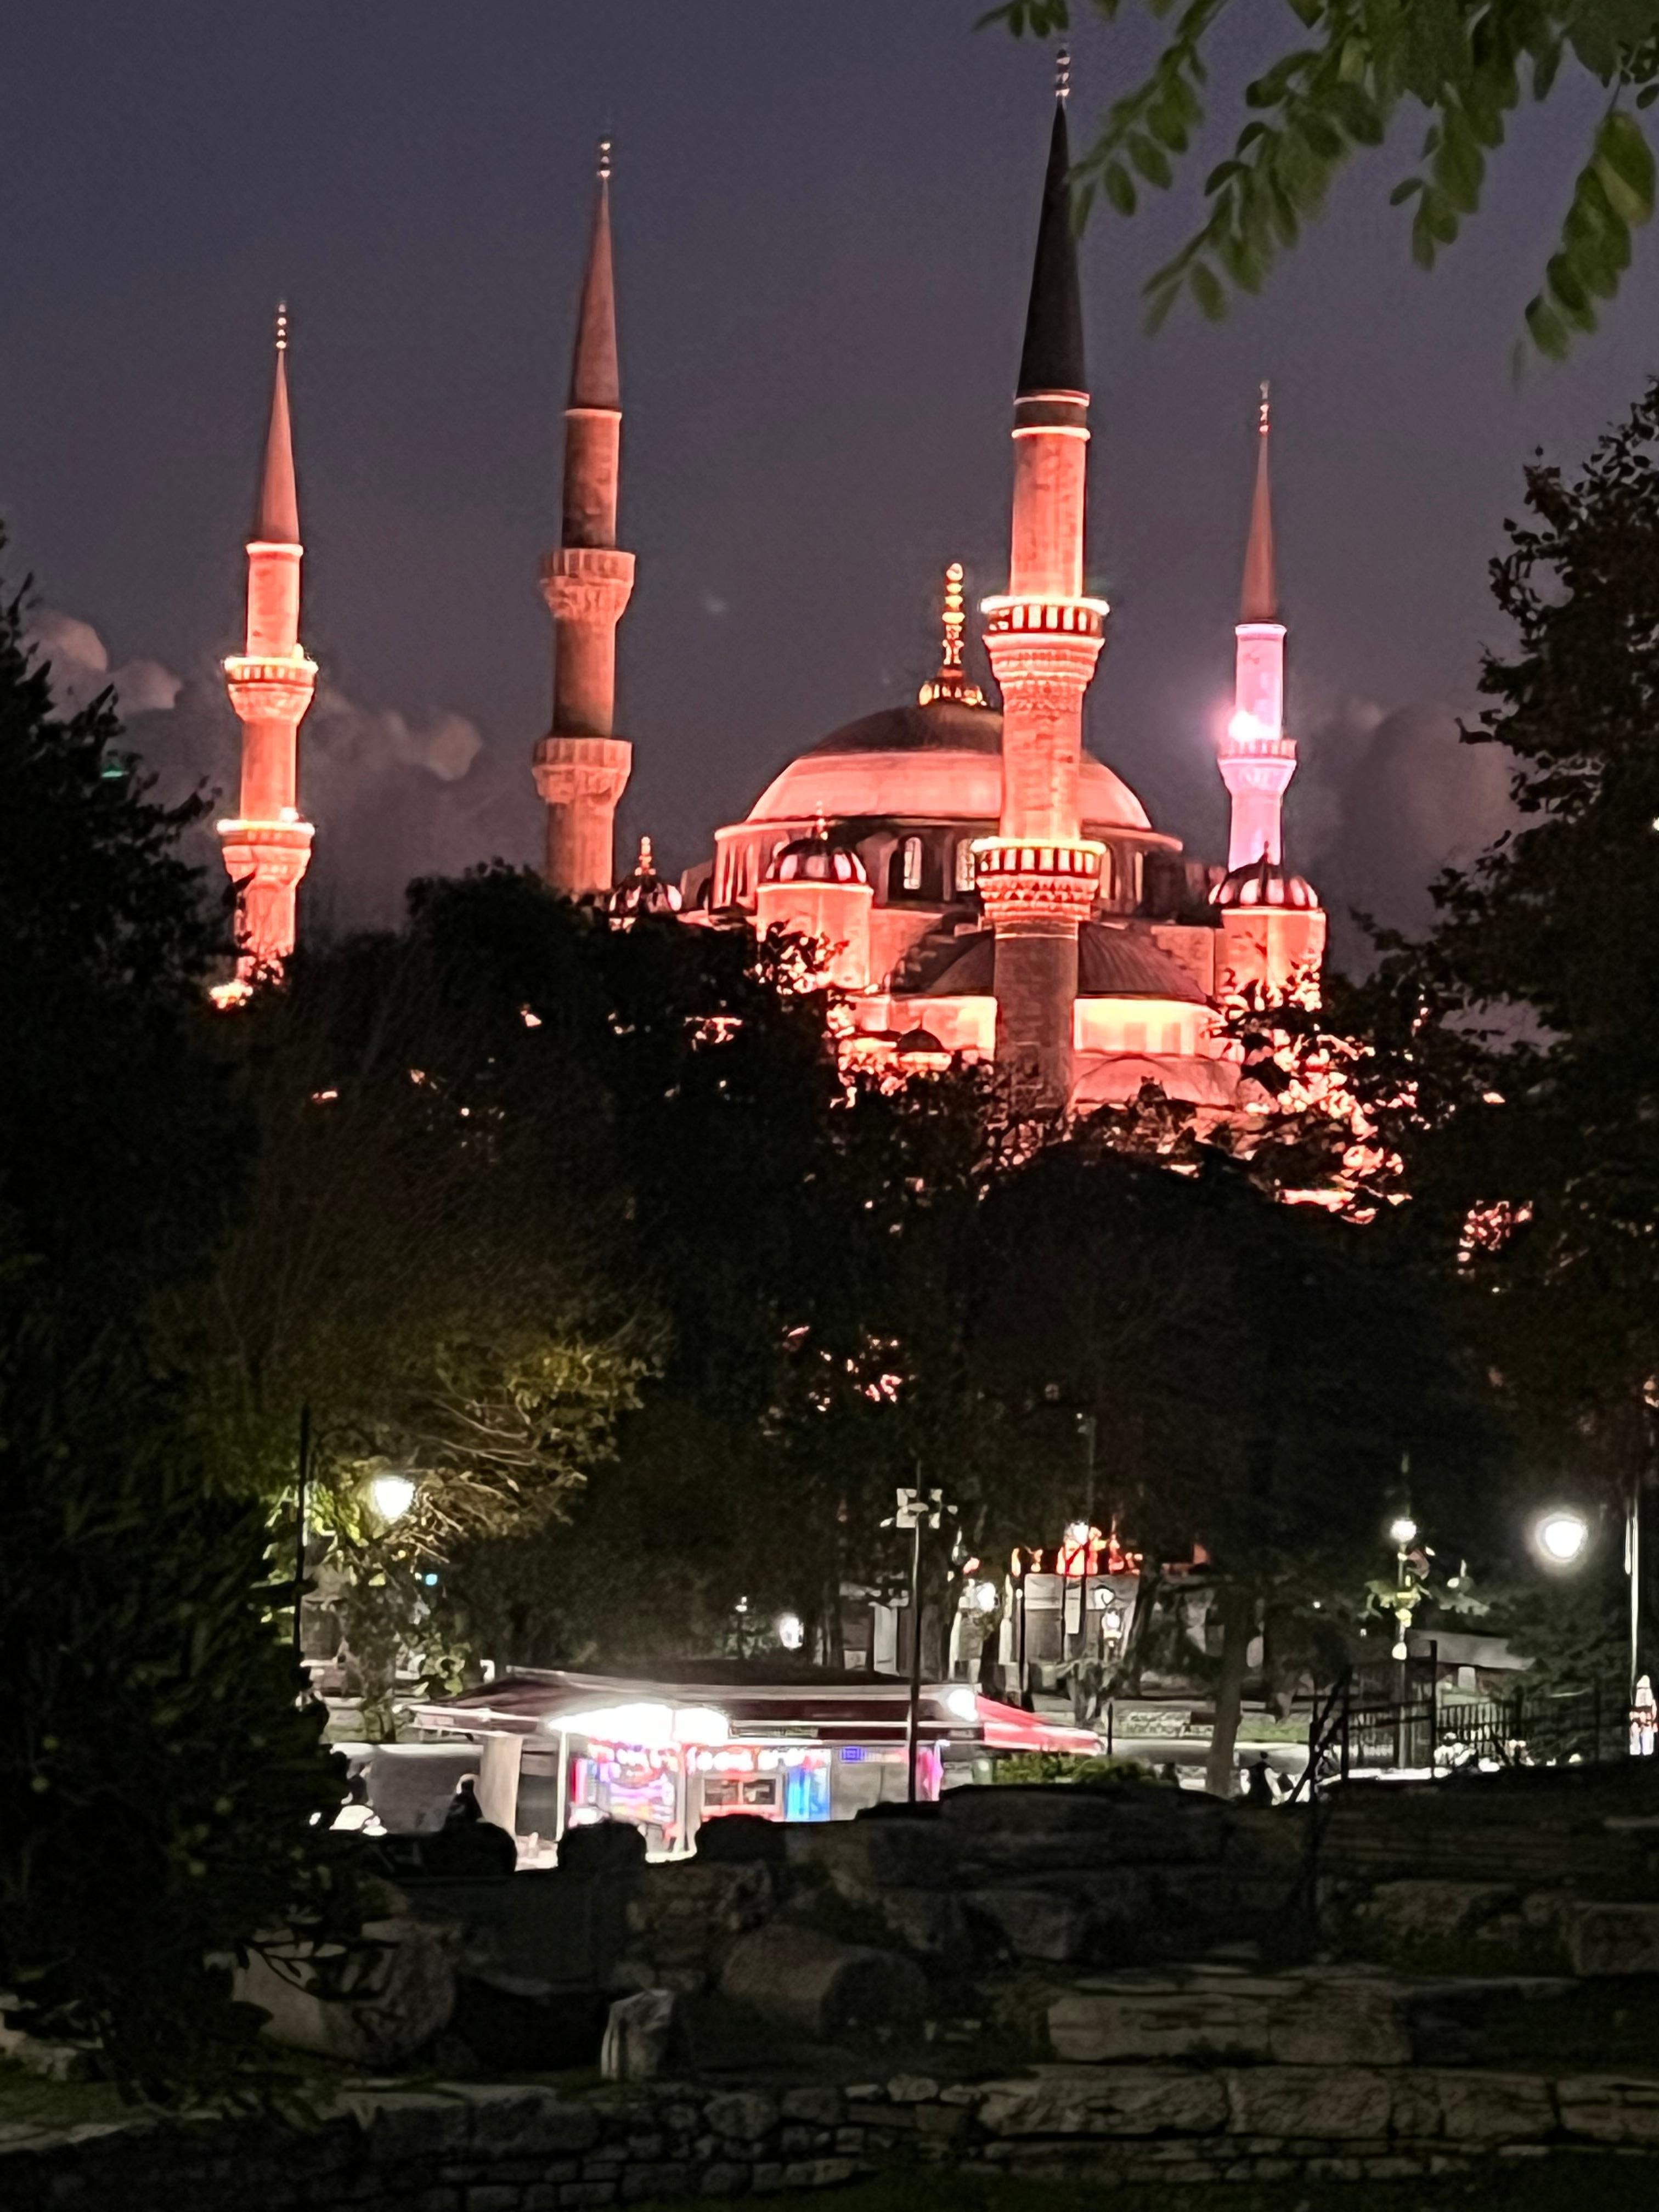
[(723, 2180), (797, 2140), (1127, 2101), (1610, 1939), (928, 1921), (510, 2117), (818, 2174), (1605, 2109), (587, 2193), (745, 2115), (912, 2089), (494, 2196), (664, 2179), (1308, 2101), (820, 2106), (811, 1984), (1033, 1923), (1090, 2027), (1494, 2107), (411, 2124), (767, 2177), (849, 2141)]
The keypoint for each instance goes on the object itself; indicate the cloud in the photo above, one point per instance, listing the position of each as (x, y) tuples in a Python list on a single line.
[(394, 796), (1383, 802), (81, 669)]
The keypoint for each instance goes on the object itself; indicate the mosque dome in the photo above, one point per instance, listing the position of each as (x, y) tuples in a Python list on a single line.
[(942, 762), (1112, 964), (1264, 882), (815, 860)]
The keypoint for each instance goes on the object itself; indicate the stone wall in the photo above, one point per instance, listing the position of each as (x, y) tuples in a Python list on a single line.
[(521, 2148)]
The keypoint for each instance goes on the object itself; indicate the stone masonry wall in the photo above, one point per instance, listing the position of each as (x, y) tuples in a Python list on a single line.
[(523, 2148)]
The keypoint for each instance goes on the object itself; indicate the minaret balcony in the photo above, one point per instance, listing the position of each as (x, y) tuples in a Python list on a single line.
[(1035, 881), (274, 854), (274, 689), (1020, 617), (587, 583)]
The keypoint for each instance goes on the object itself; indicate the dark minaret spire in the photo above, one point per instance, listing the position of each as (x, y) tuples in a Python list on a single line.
[(277, 518), (1051, 358), (581, 766), (594, 380), (1260, 600)]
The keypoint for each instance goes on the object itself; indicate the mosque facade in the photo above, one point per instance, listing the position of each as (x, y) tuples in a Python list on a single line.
[(977, 883)]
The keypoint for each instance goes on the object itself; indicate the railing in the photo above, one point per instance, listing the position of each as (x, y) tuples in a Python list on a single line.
[(1433, 1736)]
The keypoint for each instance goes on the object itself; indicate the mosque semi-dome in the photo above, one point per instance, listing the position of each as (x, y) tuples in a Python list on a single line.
[(815, 860), (1264, 882)]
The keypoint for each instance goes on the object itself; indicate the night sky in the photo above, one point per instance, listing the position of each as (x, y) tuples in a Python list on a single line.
[(824, 217)]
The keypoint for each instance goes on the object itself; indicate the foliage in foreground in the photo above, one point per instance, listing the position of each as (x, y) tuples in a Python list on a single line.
[(1335, 91), (157, 1782)]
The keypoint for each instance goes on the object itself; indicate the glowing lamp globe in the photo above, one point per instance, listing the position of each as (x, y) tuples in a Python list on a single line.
[(791, 1634), (1562, 1536), (393, 1494), (1404, 1530)]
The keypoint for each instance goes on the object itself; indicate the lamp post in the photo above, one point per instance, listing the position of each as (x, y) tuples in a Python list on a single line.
[(917, 1509)]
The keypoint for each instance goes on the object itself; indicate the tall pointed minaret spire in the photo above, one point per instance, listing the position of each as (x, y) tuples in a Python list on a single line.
[(267, 846), (581, 769), (1039, 877), (1257, 760)]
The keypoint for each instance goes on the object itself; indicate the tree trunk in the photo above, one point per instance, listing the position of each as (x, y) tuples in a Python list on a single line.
[(1237, 1626)]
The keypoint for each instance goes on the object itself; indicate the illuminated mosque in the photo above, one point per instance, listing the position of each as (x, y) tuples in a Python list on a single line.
[(978, 883)]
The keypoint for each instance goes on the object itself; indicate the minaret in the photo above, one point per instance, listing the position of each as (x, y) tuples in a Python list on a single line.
[(1257, 760), (580, 768), (1039, 877), (267, 848)]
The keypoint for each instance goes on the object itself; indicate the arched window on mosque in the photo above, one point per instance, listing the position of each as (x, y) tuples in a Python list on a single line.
[(964, 877)]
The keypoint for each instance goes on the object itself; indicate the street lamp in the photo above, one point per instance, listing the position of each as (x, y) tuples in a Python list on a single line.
[(1561, 1535), (791, 1632), (392, 1496)]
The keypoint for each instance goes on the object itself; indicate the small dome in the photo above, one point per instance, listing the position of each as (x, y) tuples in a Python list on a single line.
[(915, 1042), (815, 860), (644, 891), (1264, 882)]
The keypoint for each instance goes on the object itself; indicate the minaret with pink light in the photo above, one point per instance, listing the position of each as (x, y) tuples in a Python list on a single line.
[(1257, 760), (1039, 876), (267, 846), (581, 769)]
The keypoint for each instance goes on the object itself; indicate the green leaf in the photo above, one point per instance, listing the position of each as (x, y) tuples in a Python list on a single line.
[(1549, 333), (1569, 292), (1624, 162), (1151, 160), (1120, 187), (1460, 167), (1404, 191), (1208, 292), (1357, 114)]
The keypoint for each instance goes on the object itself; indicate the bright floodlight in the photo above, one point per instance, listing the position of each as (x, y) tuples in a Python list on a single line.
[(393, 1495), (791, 1634), (1562, 1536), (1403, 1530), (961, 1704), (1077, 1534), (985, 1595)]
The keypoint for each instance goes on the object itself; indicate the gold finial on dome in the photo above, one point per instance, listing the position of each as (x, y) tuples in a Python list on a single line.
[(951, 683)]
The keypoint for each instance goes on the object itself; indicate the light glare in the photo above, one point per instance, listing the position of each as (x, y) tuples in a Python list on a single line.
[(1562, 1536)]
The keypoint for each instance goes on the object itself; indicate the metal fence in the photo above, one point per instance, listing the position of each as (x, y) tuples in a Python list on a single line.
[(1434, 1735)]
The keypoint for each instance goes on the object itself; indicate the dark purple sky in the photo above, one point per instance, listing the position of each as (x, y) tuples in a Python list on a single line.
[(824, 217)]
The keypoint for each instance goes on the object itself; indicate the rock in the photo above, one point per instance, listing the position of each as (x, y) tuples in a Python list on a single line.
[(866, 1860), (912, 2089), (820, 1988), (1092, 2025), (602, 1847), (930, 1921), (820, 2106), (1604, 2109), (1308, 2101), (744, 2115), (639, 2033), (1121, 2100), (740, 1839), (1610, 1939), (520, 2120), (1495, 2107), (398, 1996), (1033, 1923)]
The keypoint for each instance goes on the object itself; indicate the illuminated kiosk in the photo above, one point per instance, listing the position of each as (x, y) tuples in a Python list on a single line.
[(560, 1750)]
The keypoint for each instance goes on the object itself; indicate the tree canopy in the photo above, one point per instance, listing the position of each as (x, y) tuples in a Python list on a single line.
[(1340, 71)]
